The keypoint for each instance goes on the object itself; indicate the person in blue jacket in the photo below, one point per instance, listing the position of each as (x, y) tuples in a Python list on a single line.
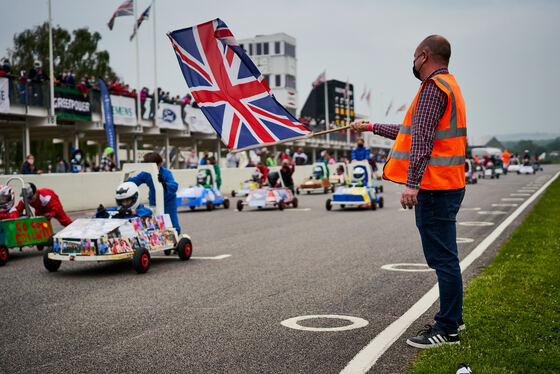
[(360, 153), (128, 204), (169, 187)]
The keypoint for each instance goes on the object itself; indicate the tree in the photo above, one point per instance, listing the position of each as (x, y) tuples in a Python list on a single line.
[(75, 51)]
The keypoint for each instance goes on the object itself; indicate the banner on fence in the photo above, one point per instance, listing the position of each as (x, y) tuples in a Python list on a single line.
[(4, 95), (70, 103), (169, 117)]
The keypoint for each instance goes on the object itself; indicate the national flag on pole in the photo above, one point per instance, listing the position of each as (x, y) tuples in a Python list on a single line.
[(368, 96), (388, 109), (346, 89), (363, 93), (401, 108), (145, 15), (320, 79), (125, 9), (229, 88)]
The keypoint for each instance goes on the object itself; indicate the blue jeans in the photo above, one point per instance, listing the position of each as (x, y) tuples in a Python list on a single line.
[(435, 218)]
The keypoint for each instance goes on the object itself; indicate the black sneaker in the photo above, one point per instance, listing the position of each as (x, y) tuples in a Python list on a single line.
[(430, 337), (461, 325)]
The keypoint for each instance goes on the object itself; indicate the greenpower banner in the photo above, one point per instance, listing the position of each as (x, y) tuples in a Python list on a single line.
[(69, 103)]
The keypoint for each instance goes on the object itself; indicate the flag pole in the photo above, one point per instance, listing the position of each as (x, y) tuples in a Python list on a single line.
[(326, 106), (347, 109), (51, 66), (156, 96), (138, 112)]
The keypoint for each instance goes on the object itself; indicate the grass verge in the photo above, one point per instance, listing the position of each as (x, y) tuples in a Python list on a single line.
[(512, 309)]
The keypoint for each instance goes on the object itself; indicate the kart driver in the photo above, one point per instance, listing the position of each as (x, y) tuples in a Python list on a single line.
[(7, 198), (359, 176), (169, 187), (46, 204), (127, 196)]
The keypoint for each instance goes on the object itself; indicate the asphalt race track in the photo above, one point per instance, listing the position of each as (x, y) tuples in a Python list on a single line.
[(223, 314)]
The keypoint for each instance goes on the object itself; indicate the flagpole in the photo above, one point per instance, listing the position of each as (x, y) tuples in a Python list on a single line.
[(156, 96), (326, 106), (138, 111), (347, 109), (51, 65)]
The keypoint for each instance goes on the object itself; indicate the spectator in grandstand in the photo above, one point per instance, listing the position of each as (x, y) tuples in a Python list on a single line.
[(192, 160), (28, 166), (108, 160), (61, 165), (6, 70), (71, 81), (93, 82), (300, 158), (360, 153), (60, 79), (77, 162), (232, 160), (22, 87), (83, 86)]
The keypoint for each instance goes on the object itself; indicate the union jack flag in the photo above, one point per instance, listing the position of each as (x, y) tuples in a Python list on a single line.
[(229, 88), (125, 9), (145, 15), (320, 79)]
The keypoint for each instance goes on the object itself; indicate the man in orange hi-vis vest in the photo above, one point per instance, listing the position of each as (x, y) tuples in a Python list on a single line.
[(428, 157)]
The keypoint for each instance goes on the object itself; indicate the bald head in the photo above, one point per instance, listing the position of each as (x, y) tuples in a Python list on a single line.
[(438, 48)]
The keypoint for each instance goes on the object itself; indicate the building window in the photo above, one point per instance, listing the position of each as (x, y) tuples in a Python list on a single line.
[(278, 79), (265, 48), (259, 49), (277, 48), (290, 80), (290, 50), (267, 78), (250, 49)]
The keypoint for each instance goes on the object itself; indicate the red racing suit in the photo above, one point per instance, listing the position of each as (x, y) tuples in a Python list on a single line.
[(47, 204), (12, 213)]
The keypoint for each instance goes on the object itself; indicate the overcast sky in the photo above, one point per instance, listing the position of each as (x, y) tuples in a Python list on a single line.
[(505, 54)]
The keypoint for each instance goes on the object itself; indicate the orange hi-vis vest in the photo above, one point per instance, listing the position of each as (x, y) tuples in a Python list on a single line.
[(446, 167)]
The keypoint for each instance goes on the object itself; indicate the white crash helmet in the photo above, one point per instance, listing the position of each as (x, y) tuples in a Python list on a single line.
[(201, 178), (128, 195), (256, 176), (359, 174), (7, 198)]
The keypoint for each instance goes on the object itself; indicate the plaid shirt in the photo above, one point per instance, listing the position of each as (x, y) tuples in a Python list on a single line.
[(430, 108)]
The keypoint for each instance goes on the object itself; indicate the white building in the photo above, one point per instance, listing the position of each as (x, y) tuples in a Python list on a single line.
[(275, 56)]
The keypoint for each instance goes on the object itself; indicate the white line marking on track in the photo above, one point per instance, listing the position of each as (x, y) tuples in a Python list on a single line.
[(395, 267), (219, 257), (505, 204), (366, 358), (356, 323), (491, 212), (525, 191), (519, 194), (477, 208), (464, 240), (298, 210), (476, 223), (512, 199)]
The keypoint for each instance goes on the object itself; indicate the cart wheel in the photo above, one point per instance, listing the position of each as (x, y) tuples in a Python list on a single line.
[(3, 254), (295, 202), (326, 190), (209, 206), (48, 244), (328, 204), (497, 176), (281, 205), (192, 207), (297, 191), (332, 189), (381, 189), (381, 202), (50, 265), (232, 193), (342, 206), (239, 205), (377, 190), (184, 249), (518, 172), (167, 252), (141, 260), (226, 204), (373, 205)]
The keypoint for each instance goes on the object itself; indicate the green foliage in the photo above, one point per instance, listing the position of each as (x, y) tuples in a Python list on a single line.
[(75, 51), (512, 309)]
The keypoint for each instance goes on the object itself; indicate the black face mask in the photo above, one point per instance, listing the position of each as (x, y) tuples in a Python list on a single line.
[(360, 146), (416, 72)]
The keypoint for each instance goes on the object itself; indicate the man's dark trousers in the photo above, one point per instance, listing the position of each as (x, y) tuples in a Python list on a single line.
[(436, 214)]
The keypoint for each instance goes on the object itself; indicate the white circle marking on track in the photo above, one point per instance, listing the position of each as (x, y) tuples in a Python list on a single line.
[(356, 323), (475, 223), (393, 267)]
